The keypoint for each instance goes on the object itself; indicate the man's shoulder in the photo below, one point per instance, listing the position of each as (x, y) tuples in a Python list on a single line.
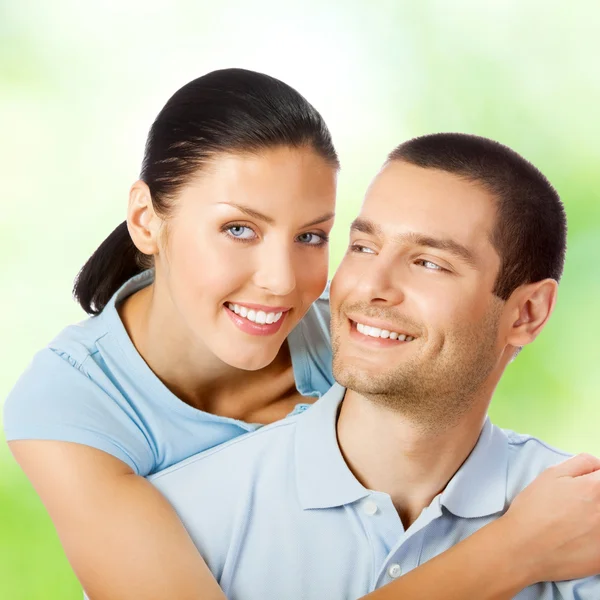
[(528, 446), (237, 457), (214, 492), (528, 456)]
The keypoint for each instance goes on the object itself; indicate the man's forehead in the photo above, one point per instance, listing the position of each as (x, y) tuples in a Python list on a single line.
[(434, 202), (399, 176)]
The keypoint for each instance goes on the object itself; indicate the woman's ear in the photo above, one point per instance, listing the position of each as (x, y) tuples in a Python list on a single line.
[(142, 221), (533, 304)]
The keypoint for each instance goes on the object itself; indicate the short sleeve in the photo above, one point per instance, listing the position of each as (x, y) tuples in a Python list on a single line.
[(54, 399), (578, 589), (315, 347)]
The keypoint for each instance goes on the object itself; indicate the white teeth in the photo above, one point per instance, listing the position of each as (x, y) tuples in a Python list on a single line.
[(256, 316), (376, 332)]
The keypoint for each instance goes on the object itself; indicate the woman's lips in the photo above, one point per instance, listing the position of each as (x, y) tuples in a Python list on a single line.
[(253, 327)]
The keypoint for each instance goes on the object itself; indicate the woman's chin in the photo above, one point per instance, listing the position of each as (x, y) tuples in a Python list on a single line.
[(248, 361)]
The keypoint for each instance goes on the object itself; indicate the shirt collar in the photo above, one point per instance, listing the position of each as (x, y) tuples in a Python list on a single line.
[(322, 476), (324, 480), (132, 285), (478, 488)]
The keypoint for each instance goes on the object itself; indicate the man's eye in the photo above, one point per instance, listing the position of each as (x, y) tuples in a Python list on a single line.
[(359, 249), (431, 266)]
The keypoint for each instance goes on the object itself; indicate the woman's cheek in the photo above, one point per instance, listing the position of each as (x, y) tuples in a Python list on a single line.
[(313, 276)]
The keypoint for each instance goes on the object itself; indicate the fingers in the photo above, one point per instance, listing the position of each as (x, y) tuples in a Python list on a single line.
[(582, 464), (594, 480)]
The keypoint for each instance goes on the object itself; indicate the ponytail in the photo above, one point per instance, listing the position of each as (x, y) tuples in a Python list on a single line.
[(114, 262)]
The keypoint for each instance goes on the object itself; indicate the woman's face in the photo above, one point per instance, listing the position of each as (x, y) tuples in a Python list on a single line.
[(246, 252)]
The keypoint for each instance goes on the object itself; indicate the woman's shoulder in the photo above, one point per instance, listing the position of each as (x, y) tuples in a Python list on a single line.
[(90, 386), (56, 399), (310, 346), (76, 342), (317, 320), (68, 393)]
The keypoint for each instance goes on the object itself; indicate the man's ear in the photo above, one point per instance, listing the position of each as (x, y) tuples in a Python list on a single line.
[(530, 307), (142, 221)]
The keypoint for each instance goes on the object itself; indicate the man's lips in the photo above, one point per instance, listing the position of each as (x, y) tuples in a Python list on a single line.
[(358, 322)]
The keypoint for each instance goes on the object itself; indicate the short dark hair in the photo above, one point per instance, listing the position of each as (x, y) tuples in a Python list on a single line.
[(531, 226), (225, 111)]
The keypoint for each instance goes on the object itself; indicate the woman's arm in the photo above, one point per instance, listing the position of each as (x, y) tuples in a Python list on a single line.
[(551, 532), (482, 566), (122, 538)]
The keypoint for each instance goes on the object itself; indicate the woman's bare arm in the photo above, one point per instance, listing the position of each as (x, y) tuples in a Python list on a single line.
[(122, 538), (481, 567)]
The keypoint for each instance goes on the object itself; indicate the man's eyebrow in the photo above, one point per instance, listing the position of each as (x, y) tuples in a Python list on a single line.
[(445, 244), (270, 220), (366, 226), (419, 239)]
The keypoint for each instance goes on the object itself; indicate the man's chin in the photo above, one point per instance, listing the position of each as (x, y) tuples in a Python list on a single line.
[(361, 380)]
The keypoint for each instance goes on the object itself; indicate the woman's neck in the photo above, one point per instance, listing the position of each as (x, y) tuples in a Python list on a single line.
[(199, 378)]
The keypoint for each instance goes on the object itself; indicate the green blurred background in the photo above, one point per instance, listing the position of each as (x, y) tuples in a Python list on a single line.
[(80, 84)]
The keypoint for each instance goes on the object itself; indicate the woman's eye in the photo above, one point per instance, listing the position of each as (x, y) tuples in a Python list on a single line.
[(241, 232), (312, 239)]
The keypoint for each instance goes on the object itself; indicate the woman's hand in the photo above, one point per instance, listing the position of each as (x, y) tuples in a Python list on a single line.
[(555, 521), (551, 532)]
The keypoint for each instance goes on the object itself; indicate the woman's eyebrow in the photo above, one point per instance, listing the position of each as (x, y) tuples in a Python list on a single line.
[(323, 219), (250, 212), (270, 220)]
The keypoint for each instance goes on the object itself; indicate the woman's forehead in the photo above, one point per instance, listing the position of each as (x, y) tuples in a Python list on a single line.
[(279, 177)]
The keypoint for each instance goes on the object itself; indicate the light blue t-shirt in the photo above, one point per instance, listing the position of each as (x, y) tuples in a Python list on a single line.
[(291, 521), (91, 386)]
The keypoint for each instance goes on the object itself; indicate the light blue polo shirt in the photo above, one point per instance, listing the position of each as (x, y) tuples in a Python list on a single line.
[(291, 521), (91, 386)]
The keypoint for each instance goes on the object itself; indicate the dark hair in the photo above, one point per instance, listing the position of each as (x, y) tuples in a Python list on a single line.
[(230, 110), (531, 226)]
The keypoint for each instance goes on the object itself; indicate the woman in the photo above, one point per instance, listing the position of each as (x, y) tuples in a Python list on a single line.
[(232, 211)]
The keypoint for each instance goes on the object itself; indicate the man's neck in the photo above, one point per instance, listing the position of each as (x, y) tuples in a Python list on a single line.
[(389, 453)]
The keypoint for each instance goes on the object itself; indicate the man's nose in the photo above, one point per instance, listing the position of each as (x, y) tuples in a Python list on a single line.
[(382, 281)]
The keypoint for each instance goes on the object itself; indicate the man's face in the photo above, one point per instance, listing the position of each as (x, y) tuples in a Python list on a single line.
[(414, 320)]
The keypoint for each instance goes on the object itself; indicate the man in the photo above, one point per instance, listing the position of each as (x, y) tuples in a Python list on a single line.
[(452, 267)]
